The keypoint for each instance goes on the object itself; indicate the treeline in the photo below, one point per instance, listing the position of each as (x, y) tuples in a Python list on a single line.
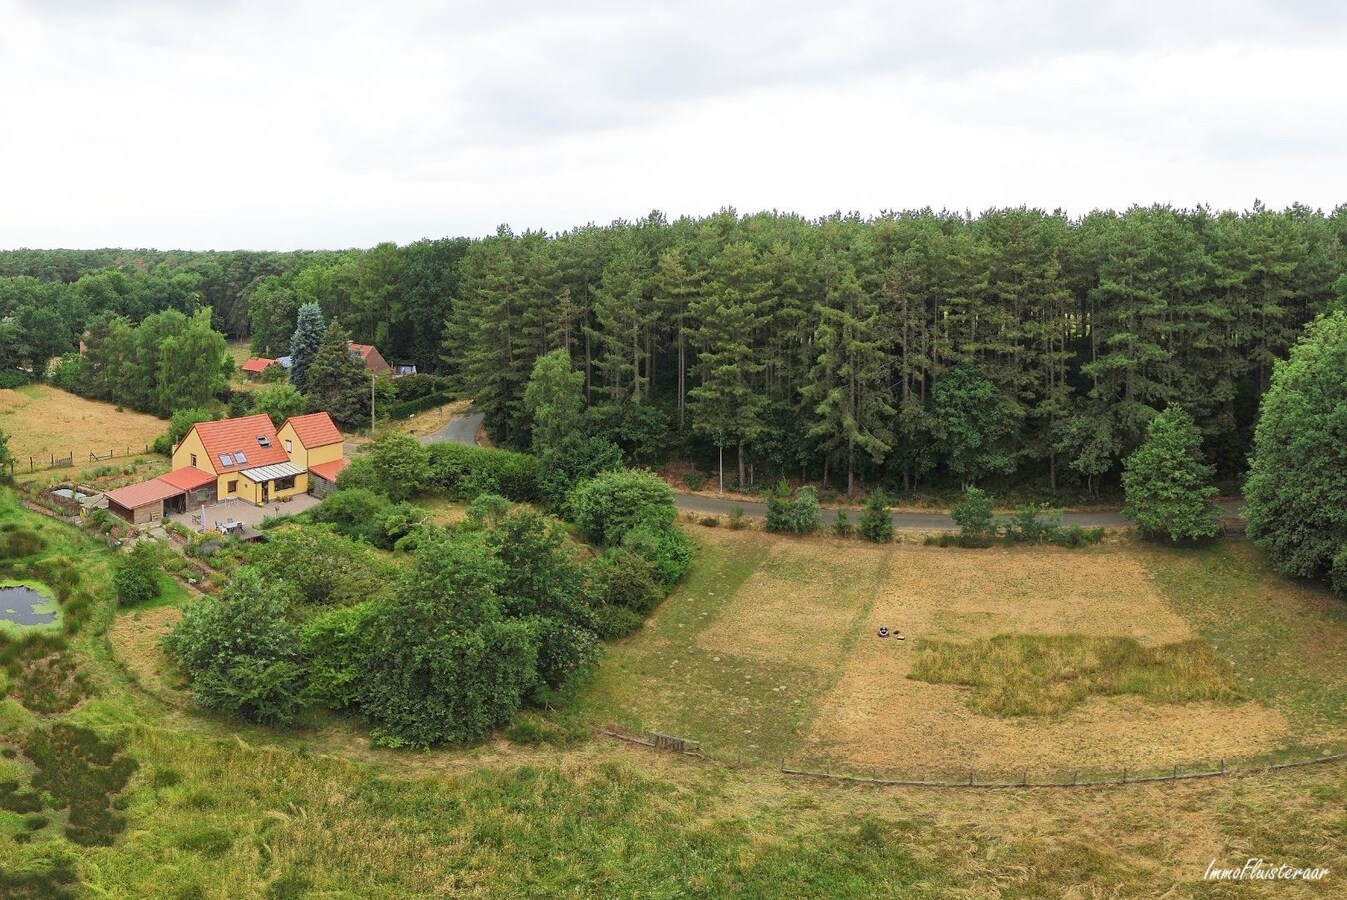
[(911, 347), (167, 363)]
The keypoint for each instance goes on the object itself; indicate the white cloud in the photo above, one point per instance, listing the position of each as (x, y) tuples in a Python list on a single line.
[(157, 123)]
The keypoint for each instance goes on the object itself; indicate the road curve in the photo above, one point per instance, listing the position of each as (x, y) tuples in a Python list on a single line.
[(462, 429)]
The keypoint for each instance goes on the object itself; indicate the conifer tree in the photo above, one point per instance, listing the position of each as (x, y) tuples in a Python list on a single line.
[(1168, 485), (309, 328)]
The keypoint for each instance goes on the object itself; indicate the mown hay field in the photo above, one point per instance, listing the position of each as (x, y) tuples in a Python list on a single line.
[(42, 421), (1165, 657)]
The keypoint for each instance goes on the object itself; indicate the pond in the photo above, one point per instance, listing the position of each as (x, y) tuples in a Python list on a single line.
[(21, 604)]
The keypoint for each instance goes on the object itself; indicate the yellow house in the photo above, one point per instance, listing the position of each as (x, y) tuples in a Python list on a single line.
[(313, 443), (245, 457)]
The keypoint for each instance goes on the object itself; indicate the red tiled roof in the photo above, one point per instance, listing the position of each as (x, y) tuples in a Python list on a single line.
[(373, 359), (189, 478), (258, 364), (229, 436), (329, 471), (137, 495), (315, 430)]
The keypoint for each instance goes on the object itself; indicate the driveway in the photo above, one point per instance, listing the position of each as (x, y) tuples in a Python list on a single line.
[(462, 429)]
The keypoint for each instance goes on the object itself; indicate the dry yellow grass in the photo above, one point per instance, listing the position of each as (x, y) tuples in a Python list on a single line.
[(877, 716), (41, 420)]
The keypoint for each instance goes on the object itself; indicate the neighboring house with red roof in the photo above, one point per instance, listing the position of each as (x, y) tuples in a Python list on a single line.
[(254, 367), (366, 353)]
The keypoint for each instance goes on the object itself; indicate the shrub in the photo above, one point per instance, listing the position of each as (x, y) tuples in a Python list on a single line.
[(414, 387), (401, 465), (82, 772), (136, 574), (694, 480), (487, 510), (798, 516), (609, 505), (876, 523), (1034, 524), (322, 567), (973, 515), (622, 578), (709, 521), (842, 526), (736, 518), (463, 471), (241, 651), (664, 547), (336, 643), (615, 622), (440, 672)]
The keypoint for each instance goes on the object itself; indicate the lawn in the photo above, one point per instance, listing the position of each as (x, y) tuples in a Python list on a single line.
[(42, 421), (213, 808), (1040, 659)]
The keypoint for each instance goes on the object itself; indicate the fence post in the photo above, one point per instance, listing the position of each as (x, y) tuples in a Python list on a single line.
[(1075, 778), (1222, 765), (1025, 782), (1124, 781), (970, 777)]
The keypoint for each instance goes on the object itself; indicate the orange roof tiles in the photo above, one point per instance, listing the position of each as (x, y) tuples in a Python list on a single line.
[(228, 436), (137, 495), (188, 478), (329, 471), (315, 430), (258, 364)]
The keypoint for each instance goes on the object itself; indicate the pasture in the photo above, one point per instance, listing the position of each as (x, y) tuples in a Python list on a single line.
[(42, 421), (1032, 659), (217, 808)]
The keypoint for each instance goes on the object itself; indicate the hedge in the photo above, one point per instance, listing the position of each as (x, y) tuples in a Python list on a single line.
[(464, 471)]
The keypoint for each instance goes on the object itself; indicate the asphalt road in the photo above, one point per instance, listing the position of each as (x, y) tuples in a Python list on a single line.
[(462, 429)]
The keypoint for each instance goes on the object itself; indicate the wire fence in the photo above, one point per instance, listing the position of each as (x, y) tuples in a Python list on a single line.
[(972, 777), (43, 462)]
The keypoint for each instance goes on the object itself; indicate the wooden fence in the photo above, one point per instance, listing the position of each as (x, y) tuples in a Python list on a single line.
[(971, 778), (47, 461)]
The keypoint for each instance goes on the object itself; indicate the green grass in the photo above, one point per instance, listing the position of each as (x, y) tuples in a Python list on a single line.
[(218, 809), (1036, 675), (1287, 642)]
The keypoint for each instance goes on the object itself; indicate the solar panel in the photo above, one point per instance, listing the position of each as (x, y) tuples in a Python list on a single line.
[(226, 460), (241, 457)]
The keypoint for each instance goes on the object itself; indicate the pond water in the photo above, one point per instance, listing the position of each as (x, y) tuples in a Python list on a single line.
[(69, 494), (18, 604)]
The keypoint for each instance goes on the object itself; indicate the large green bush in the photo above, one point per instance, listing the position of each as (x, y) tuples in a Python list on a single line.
[(241, 650), (445, 666), (323, 567), (336, 643), (973, 515), (799, 515), (135, 574), (663, 546), (624, 579), (366, 516), (400, 464), (609, 505)]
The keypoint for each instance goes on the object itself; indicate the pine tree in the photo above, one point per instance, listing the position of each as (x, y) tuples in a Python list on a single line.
[(337, 381), (726, 406), (1167, 483), (309, 328), (876, 524), (849, 383)]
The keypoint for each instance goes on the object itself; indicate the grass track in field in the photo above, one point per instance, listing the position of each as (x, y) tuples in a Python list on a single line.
[(1043, 675)]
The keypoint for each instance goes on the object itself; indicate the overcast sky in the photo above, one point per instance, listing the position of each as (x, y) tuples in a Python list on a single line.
[(210, 124)]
